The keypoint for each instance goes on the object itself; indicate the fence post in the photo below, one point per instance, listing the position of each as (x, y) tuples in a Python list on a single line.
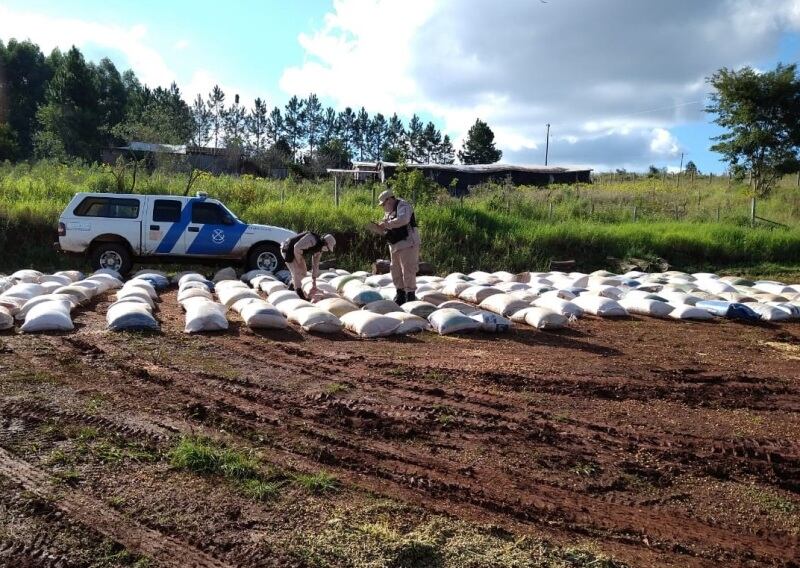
[(549, 209), (283, 192), (717, 213), (336, 190), (798, 179), (710, 178), (676, 211), (373, 195), (752, 211), (634, 213), (591, 208)]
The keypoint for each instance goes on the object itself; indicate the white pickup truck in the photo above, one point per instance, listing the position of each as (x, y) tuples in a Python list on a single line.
[(116, 229)]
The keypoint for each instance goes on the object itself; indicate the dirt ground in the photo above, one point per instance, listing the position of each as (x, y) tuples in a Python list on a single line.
[(635, 442)]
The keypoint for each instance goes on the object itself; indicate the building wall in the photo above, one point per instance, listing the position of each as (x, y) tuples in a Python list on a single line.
[(463, 180)]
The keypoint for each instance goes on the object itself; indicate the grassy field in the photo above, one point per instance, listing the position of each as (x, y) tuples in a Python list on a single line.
[(702, 223)]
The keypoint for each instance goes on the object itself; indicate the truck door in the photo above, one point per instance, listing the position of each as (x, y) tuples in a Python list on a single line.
[(212, 231), (165, 226)]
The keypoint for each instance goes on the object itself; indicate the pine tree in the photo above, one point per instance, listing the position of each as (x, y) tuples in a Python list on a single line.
[(347, 130), (377, 137), (23, 87), (445, 153), (330, 127), (362, 133), (216, 107), (275, 127), (431, 139), (416, 140), (235, 118), (396, 149), (70, 119), (293, 121), (479, 146), (201, 118), (313, 122), (257, 126)]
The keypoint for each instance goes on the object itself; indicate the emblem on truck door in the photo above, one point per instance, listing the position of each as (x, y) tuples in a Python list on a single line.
[(218, 236)]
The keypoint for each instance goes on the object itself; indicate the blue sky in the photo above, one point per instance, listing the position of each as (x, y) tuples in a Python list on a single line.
[(619, 81)]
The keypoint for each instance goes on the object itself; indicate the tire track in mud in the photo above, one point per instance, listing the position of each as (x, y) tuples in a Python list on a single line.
[(416, 469), (300, 431), (166, 550)]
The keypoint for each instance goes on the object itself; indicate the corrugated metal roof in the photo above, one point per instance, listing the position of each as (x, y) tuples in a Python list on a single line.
[(477, 168), (155, 148)]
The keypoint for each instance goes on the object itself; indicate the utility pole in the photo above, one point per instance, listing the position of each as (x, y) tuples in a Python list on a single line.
[(680, 169), (547, 144)]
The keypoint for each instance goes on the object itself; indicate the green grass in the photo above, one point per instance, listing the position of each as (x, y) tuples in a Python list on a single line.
[(497, 227), (319, 482), (202, 456), (205, 457)]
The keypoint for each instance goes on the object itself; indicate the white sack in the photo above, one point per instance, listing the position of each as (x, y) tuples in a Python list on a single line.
[(599, 306), (409, 323), (448, 320), (369, 325), (48, 316), (205, 316), (263, 315)]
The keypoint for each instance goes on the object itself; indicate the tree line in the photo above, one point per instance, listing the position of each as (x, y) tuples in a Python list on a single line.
[(60, 106)]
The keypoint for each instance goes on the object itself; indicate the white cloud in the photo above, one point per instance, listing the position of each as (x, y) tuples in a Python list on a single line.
[(50, 32), (612, 77), (133, 43)]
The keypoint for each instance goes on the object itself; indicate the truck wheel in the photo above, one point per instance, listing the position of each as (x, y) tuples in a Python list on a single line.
[(265, 257), (111, 255)]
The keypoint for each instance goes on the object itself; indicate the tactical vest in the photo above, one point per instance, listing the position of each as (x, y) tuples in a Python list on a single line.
[(287, 246), (400, 233)]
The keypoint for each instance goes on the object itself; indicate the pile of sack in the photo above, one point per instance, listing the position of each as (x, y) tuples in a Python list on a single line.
[(44, 302), (135, 302)]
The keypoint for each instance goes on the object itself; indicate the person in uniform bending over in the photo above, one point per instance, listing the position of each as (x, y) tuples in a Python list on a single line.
[(400, 226), (295, 248)]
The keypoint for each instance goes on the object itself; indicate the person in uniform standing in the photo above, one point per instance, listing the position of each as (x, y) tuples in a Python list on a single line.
[(400, 229), (294, 250)]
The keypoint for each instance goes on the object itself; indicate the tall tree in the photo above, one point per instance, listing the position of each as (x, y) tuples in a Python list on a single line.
[(257, 126), (361, 132), (313, 122), (395, 150), (201, 118), (377, 137), (275, 127), (216, 107), (159, 116), (479, 146), (761, 115), (445, 153), (330, 127), (431, 140), (113, 98), (293, 120), (416, 140), (24, 75), (235, 118), (70, 118), (347, 130)]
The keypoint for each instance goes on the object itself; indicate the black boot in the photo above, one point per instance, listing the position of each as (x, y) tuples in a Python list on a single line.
[(301, 294), (400, 297), (411, 296)]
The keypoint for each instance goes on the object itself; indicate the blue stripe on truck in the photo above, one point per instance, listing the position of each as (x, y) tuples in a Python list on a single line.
[(176, 231), (217, 239)]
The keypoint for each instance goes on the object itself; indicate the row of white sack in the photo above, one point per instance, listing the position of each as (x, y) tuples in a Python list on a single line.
[(47, 305), (511, 296), (330, 315)]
